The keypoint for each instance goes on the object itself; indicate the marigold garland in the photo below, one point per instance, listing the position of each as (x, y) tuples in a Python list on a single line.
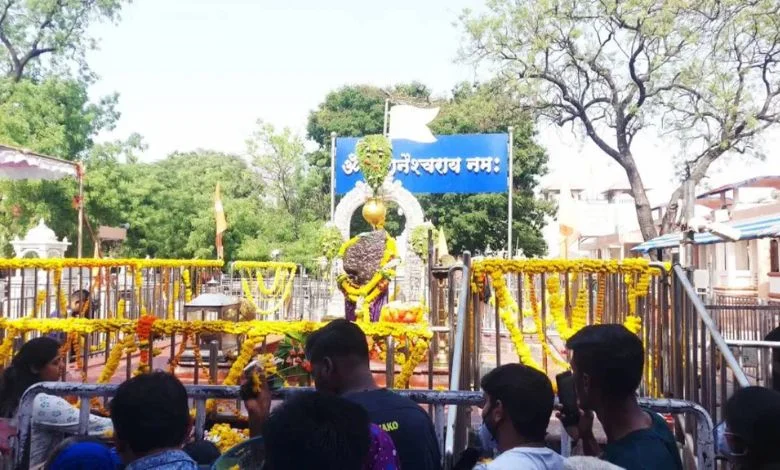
[(637, 273), (226, 437), (416, 356), (55, 264), (174, 361), (285, 297), (366, 294), (601, 299), (185, 279), (134, 330), (143, 332)]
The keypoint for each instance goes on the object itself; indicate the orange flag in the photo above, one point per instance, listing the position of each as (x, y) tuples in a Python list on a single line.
[(219, 212)]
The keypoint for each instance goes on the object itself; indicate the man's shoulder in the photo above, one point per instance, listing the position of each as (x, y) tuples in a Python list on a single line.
[(383, 399), (169, 460), (651, 448), (529, 458)]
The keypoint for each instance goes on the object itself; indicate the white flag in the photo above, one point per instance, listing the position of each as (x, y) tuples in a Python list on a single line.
[(411, 123)]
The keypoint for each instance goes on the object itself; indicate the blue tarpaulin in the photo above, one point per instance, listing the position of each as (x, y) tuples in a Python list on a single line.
[(749, 230)]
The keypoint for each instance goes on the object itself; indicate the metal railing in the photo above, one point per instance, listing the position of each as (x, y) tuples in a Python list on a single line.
[(701, 367), (199, 394), (457, 416), (758, 359), (704, 369)]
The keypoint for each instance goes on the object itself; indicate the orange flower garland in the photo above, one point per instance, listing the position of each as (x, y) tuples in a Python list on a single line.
[(143, 331)]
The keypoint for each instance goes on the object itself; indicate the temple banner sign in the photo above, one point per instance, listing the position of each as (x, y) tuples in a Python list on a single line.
[(463, 163)]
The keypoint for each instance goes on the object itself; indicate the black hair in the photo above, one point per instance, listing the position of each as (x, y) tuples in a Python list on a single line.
[(19, 376), (339, 338), (317, 430), (83, 295), (203, 452), (610, 354), (753, 414), (527, 396), (67, 443), (150, 412)]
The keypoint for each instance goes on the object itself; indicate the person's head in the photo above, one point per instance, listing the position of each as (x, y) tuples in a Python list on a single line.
[(752, 427), (607, 363), (150, 413), (81, 304), (38, 360), (82, 453), (519, 403), (203, 452), (338, 352), (317, 430)]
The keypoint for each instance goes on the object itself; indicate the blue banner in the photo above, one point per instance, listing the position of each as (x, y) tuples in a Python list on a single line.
[(465, 163)]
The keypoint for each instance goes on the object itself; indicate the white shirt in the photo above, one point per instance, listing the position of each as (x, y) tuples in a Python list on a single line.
[(53, 419), (527, 458)]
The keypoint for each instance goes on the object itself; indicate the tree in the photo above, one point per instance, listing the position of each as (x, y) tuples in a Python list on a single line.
[(476, 221), (280, 160), (54, 30), (702, 72), (53, 117)]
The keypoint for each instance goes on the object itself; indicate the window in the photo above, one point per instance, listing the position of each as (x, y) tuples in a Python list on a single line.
[(774, 256), (742, 255)]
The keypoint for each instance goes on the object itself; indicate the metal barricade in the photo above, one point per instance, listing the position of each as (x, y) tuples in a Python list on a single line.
[(702, 358), (757, 359), (462, 369), (199, 394)]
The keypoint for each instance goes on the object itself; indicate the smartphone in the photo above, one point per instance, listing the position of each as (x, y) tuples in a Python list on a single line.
[(275, 382), (567, 396)]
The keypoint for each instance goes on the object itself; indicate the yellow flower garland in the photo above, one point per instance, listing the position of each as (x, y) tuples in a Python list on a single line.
[(556, 303), (185, 279), (419, 350), (283, 300), (255, 330), (637, 273), (226, 437)]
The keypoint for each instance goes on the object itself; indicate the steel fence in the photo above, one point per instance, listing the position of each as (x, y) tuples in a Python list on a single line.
[(198, 395)]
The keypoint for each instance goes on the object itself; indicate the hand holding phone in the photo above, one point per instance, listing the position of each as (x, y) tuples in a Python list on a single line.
[(567, 396)]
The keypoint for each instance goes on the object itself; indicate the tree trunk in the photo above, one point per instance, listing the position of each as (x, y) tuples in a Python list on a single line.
[(644, 212)]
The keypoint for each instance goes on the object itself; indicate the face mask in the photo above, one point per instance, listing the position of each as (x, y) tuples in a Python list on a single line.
[(722, 446), (487, 436), (486, 440)]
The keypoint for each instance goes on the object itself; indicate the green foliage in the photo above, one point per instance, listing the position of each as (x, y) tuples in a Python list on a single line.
[(330, 241), (374, 154), (54, 117), (419, 240), (50, 37)]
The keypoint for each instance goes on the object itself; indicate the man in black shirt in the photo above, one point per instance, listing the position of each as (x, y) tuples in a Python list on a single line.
[(338, 354)]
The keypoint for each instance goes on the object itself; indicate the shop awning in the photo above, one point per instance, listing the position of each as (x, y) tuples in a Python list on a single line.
[(18, 164), (749, 230)]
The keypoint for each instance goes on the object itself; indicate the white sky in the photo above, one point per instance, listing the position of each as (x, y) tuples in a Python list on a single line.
[(199, 73)]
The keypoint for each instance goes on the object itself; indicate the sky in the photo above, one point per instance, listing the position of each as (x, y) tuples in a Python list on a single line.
[(198, 74)]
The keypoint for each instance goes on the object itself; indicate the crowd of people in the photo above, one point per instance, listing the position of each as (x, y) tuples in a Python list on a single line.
[(350, 423)]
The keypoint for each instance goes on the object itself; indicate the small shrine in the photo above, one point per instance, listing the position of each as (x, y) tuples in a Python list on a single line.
[(40, 242), (367, 264)]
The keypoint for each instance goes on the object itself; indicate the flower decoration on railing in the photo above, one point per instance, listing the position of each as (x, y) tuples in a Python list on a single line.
[(637, 274), (280, 291)]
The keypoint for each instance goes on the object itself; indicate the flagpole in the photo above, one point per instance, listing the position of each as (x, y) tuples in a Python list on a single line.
[(332, 175), (387, 111), (509, 208)]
